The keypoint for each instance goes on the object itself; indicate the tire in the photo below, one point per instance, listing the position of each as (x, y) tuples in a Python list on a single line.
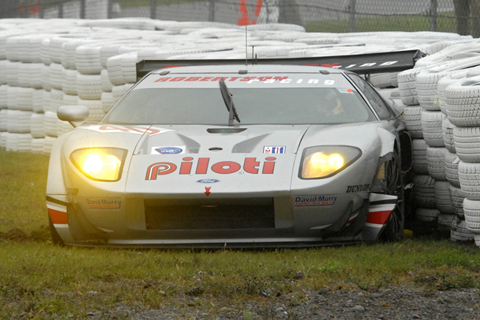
[(443, 83), (443, 200), (459, 231), (471, 209), (451, 169), (412, 116), (445, 221), (426, 82), (427, 215), (424, 191), (463, 102), (467, 143), (457, 196), (406, 85), (436, 163), (419, 152), (432, 128), (393, 230), (447, 134), (469, 176)]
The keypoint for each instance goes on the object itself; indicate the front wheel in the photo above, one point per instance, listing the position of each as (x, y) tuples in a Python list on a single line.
[(393, 230)]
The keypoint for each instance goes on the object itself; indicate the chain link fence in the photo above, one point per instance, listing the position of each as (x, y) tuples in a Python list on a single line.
[(314, 15)]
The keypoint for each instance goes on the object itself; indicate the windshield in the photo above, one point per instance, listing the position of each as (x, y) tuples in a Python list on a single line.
[(254, 105)]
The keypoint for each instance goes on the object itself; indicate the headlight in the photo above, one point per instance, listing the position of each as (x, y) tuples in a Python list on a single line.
[(103, 164), (326, 161)]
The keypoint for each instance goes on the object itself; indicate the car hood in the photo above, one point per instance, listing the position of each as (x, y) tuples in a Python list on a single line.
[(199, 159)]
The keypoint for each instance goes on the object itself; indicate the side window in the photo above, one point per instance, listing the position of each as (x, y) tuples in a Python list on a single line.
[(373, 97)]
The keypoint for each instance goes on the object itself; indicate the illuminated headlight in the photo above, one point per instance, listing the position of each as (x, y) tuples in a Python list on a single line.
[(326, 161), (104, 164)]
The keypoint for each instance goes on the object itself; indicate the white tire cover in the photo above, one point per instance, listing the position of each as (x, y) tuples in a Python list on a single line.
[(426, 83), (107, 101), (443, 200), (444, 221), (48, 144), (412, 117), (18, 121), (447, 134), (451, 168), (471, 209), (37, 145), (436, 162), (3, 96), (463, 102), (460, 232), (51, 124), (467, 143), (443, 83), (469, 176), (432, 128), (37, 104), (37, 125), (427, 214), (419, 156), (424, 191), (457, 199), (89, 87), (69, 84)]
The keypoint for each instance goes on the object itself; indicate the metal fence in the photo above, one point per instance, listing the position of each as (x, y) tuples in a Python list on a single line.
[(315, 15)]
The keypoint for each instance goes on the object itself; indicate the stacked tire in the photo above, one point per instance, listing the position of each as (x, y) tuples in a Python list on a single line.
[(463, 108)]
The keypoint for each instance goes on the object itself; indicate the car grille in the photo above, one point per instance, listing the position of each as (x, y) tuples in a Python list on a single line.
[(209, 215)]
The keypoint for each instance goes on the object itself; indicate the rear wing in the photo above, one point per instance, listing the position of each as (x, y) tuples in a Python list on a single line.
[(361, 63)]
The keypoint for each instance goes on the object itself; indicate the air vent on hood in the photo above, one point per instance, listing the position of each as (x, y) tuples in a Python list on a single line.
[(226, 130)]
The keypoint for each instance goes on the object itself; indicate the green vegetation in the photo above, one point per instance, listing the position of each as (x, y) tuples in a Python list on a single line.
[(43, 281), (23, 179), (408, 23)]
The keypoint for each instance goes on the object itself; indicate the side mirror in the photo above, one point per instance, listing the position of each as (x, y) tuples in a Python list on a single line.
[(72, 113)]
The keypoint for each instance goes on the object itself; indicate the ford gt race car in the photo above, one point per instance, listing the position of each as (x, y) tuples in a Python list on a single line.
[(232, 155)]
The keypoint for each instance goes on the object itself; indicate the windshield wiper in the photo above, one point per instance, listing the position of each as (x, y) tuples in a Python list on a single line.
[(227, 98)]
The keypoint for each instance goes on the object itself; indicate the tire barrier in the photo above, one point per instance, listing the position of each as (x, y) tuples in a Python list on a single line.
[(45, 64)]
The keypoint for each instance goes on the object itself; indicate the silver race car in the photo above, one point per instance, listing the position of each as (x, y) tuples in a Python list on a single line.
[(233, 155)]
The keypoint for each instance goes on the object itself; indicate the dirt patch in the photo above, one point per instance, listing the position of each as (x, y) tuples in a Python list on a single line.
[(19, 235)]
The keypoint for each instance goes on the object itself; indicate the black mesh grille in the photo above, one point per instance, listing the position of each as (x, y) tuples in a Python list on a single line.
[(201, 215)]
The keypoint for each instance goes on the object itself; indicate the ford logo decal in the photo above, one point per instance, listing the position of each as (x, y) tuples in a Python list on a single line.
[(207, 180), (169, 150)]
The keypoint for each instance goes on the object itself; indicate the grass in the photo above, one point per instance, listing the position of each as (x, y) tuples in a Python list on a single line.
[(23, 183), (42, 281)]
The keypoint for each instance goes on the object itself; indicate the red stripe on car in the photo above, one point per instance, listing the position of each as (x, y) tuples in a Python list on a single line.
[(58, 217)]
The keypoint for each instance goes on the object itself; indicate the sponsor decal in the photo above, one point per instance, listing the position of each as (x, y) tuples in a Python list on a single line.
[(345, 90), (315, 201), (130, 129), (274, 149), (103, 204), (203, 166), (207, 191), (168, 150), (329, 82), (248, 79), (358, 188), (207, 180)]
